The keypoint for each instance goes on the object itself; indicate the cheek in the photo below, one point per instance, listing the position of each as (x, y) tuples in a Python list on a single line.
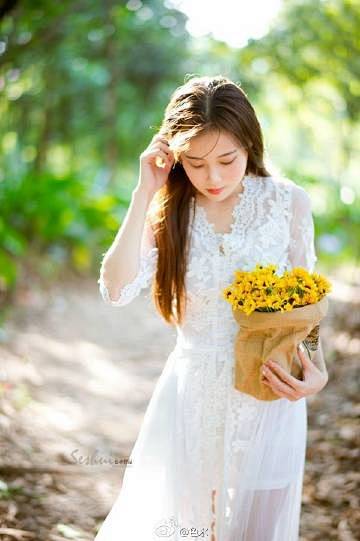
[(239, 166), (234, 171), (190, 176), (195, 175)]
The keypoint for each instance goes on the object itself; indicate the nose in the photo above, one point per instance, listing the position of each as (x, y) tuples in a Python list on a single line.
[(214, 178)]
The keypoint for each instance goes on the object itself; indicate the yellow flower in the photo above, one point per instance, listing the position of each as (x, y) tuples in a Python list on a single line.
[(263, 290)]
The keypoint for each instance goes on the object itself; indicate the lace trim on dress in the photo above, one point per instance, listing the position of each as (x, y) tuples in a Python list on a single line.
[(132, 289), (209, 227)]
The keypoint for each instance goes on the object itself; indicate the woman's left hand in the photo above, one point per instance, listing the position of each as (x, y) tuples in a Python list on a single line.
[(287, 386)]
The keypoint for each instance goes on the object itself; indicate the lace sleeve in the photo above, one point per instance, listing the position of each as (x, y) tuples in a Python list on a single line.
[(147, 266), (302, 245)]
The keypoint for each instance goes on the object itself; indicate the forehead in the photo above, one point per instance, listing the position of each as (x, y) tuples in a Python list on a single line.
[(211, 143)]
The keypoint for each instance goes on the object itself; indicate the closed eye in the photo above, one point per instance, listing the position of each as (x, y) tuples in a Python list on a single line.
[(222, 163)]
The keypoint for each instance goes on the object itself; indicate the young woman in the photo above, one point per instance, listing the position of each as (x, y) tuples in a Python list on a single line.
[(210, 461)]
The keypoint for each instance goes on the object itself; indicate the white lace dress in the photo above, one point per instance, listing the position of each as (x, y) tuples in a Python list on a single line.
[(209, 461)]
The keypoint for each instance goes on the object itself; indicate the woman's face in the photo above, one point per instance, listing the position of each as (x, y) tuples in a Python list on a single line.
[(215, 160)]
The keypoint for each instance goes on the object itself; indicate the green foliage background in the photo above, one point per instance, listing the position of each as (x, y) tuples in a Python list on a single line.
[(84, 85)]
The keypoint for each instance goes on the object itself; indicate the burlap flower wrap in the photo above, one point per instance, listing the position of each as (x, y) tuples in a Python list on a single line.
[(275, 335)]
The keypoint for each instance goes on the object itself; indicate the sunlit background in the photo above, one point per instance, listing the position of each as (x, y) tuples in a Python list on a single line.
[(233, 22), (83, 90)]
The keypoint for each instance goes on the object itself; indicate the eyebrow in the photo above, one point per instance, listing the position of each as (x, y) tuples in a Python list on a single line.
[(220, 155)]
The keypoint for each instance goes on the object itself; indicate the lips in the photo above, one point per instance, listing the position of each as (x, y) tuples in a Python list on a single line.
[(215, 191)]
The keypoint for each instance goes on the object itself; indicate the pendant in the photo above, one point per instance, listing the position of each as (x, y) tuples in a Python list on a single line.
[(221, 249)]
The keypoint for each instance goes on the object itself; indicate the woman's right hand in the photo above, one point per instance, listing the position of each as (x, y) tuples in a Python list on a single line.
[(151, 176)]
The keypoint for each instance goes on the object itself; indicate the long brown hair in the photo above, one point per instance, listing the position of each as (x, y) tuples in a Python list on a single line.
[(199, 105)]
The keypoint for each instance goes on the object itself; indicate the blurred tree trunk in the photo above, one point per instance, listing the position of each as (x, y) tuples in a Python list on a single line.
[(6, 6), (45, 122), (111, 96)]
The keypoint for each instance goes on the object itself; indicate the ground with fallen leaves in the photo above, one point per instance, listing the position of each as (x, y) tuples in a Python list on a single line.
[(74, 385)]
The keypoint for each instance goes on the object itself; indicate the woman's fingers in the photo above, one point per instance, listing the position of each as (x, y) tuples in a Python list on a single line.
[(285, 376), (303, 356), (278, 385), (162, 142), (160, 136), (158, 153), (287, 386), (161, 146), (279, 393), (305, 359)]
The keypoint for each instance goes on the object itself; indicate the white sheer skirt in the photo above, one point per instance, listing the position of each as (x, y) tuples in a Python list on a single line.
[(211, 462)]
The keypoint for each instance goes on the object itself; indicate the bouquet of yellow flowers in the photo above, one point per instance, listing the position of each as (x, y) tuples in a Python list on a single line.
[(275, 314)]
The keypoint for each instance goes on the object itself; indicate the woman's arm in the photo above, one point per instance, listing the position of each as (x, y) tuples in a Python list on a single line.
[(131, 260), (302, 233), (301, 254), (129, 252)]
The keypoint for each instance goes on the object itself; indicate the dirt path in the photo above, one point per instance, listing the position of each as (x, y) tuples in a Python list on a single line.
[(80, 386)]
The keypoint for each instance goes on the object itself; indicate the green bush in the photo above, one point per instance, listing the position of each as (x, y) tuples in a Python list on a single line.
[(58, 219)]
